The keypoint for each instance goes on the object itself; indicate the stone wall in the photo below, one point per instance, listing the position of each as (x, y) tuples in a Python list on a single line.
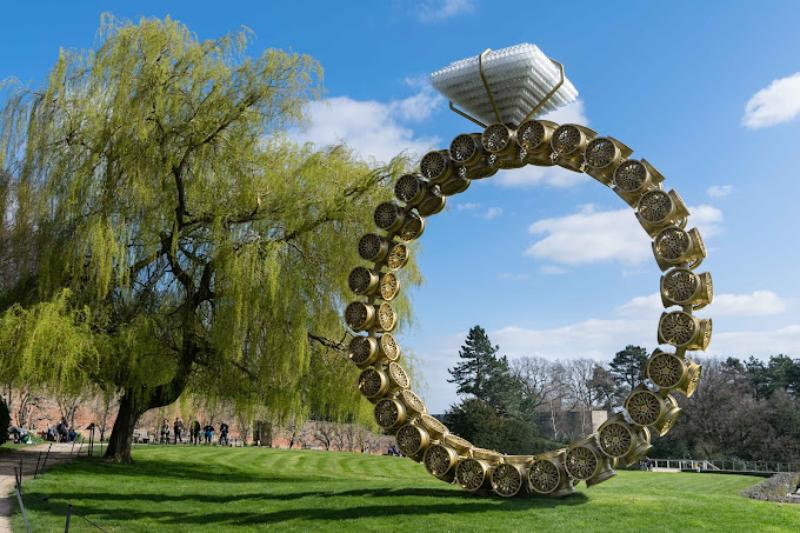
[(38, 412)]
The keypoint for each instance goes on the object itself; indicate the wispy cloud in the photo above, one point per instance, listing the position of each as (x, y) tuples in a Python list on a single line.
[(600, 338), (756, 303), (492, 213), (437, 10), (375, 130), (592, 236), (552, 270), (776, 103), (719, 191)]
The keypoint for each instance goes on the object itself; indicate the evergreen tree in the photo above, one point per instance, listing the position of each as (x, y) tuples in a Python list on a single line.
[(481, 372), (166, 239), (478, 422), (627, 369), (602, 387)]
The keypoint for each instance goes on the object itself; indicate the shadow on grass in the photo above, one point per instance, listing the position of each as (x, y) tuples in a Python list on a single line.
[(350, 504)]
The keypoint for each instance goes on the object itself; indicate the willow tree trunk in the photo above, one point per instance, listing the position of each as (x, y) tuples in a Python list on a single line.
[(121, 440), (137, 401)]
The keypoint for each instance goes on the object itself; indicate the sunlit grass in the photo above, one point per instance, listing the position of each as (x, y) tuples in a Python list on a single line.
[(223, 489)]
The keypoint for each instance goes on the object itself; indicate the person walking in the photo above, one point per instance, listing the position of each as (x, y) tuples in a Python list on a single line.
[(195, 432), (209, 433), (164, 432), (223, 433), (177, 427)]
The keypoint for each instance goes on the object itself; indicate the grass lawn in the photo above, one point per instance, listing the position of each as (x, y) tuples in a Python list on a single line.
[(249, 489)]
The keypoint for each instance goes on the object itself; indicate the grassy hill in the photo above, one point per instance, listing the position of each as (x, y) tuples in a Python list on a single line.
[(172, 489)]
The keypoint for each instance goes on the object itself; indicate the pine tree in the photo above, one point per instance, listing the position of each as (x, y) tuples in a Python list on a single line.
[(627, 369), (481, 372)]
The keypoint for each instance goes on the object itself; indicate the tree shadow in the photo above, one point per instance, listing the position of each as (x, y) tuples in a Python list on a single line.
[(268, 508), (457, 504)]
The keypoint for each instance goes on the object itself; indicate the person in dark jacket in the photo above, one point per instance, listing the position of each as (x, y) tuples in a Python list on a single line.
[(63, 430), (194, 432), (177, 427), (223, 433)]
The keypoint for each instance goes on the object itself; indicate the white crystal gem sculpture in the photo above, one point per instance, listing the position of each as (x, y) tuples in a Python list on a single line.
[(519, 76)]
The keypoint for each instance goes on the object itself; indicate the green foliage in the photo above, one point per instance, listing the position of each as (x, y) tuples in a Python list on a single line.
[(627, 369), (730, 416), (479, 422), (167, 238), (208, 489), (779, 373), (495, 413), (481, 372)]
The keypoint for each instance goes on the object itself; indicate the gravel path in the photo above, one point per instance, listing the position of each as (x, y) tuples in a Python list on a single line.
[(60, 453)]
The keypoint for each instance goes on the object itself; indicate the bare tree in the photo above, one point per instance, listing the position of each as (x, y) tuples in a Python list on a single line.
[(325, 433), (243, 424), (68, 404), (21, 401), (578, 382), (367, 441), (341, 437), (103, 405), (535, 378), (296, 433)]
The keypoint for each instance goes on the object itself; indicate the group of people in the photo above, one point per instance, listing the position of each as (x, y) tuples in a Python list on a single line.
[(196, 432), (61, 432), (20, 435)]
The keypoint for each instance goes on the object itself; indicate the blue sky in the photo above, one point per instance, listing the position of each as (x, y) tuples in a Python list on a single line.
[(672, 80)]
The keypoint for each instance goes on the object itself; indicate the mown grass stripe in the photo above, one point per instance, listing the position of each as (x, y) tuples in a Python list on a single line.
[(208, 489)]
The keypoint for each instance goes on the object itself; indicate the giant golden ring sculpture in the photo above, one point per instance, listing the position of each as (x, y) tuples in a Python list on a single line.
[(625, 437)]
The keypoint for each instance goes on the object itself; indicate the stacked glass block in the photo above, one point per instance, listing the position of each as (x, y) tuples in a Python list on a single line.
[(519, 76)]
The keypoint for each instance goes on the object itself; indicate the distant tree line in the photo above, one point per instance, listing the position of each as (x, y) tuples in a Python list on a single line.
[(742, 409)]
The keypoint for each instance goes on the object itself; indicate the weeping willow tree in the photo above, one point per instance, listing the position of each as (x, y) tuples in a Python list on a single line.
[(166, 239)]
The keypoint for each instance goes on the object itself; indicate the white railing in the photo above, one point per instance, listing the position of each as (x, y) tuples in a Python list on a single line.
[(733, 465)]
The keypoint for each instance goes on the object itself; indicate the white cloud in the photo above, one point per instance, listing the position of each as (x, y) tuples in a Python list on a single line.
[(779, 102), (597, 339), (756, 303), (591, 236), (601, 338), (492, 213), (634, 323), (719, 191), (552, 270), (554, 176), (375, 130), (436, 10), (784, 340), (641, 306)]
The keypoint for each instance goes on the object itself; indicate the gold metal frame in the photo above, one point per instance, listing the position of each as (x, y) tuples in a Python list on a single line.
[(382, 377)]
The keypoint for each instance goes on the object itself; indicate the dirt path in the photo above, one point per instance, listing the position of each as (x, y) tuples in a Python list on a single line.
[(60, 453)]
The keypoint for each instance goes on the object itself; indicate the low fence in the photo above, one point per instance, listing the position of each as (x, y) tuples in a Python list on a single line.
[(70, 512), (726, 466)]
